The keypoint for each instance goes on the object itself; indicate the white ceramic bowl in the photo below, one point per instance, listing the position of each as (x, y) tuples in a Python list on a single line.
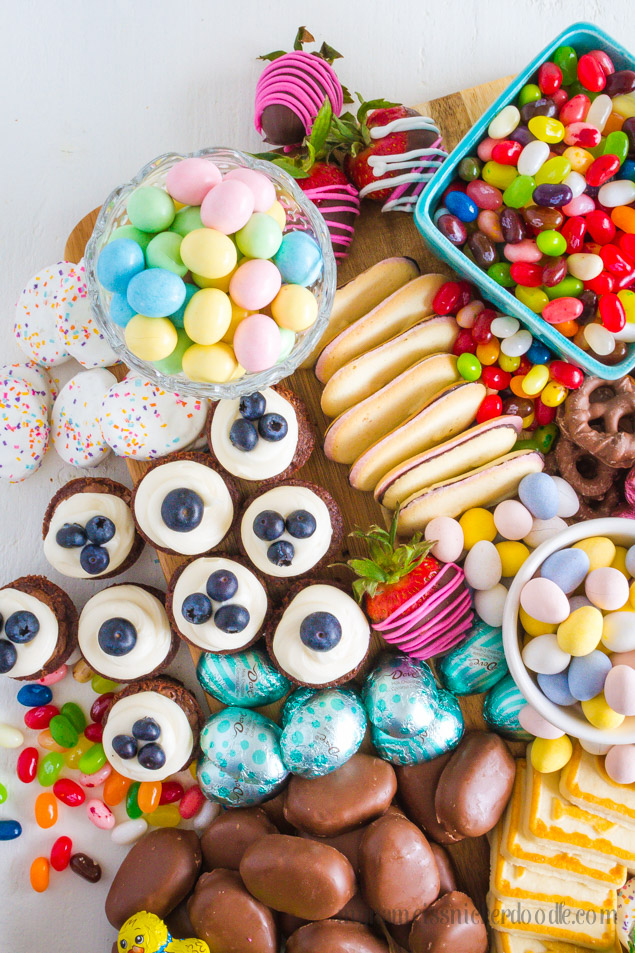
[(571, 719)]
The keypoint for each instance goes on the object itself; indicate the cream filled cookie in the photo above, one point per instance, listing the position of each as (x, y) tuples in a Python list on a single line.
[(320, 636), (124, 633), (38, 628), (217, 604), (89, 531), (291, 528), (183, 506), (151, 729), (262, 435)]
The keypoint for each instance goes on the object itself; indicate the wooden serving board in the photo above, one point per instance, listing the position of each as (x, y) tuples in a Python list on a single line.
[(377, 236)]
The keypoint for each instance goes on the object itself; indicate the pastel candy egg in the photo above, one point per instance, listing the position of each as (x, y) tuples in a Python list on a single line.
[(255, 284), (568, 502), (594, 747), (482, 565), (623, 658), (207, 316), (287, 342), (294, 307), (567, 568), (257, 342), (542, 530), (533, 626), (540, 495), (278, 213), (512, 519), (245, 678), (512, 555), (173, 363), (477, 523), (299, 259), (400, 695), (150, 339), (118, 262), (576, 602), (210, 363), (542, 599), (260, 186), (549, 755), (556, 688), (189, 180), (534, 723), (209, 253), (543, 655), (607, 588), (260, 237), (490, 603), (164, 251), (178, 317), (227, 207), (323, 732), (150, 209), (619, 689), (598, 711), (618, 633), (120, 311), (156, 292), (630, 561), (599, 549), (619, 560), (448, 536), (581, 632), (186, 220), (619, 764), (587, 675)]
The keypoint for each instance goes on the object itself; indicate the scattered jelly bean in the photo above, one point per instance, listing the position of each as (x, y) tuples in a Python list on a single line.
[(171, 791), (40, 717), (46, 810), (102, 685), (85, 867), (191, 803), (34, 695), (82, 671), (49, 768), (94, 732), (4, 794), (129, 831), (9, 830), (149, 796), (39, 874), (45, 740), (53, 677), (96, 778), (26, 768), (132, 804), (72, 757), (63, 732), (99, 706), (61, 853), (167, 815), (115, 789), (68, 792), (100, 814), (92, 759)]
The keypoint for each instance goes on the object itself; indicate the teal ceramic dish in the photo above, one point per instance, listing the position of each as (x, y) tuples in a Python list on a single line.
[(583, 37)]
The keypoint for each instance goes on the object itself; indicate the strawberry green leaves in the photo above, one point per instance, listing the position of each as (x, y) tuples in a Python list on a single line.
[(387, 562)]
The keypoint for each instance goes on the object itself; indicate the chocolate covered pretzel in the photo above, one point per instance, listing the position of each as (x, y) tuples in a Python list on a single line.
[(599, 417), (588, 476)]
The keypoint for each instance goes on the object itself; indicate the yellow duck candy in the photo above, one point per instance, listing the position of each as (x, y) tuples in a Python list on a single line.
[(146, 933)]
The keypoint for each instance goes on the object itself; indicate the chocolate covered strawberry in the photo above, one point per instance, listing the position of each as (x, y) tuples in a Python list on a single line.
[(337, 200)]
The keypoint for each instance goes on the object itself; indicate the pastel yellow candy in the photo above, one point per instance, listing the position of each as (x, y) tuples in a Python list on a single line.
[(598, 712), (477, 523), (209, 363), (581, 632), (551, 754), (221, 283), (208, 253), (631, 594), (513, 554), (619, 560), (238, 373), (237, 315), (150, 339), (207, 316), (294, 307), (535, 626), (599, 549), (278, 213)]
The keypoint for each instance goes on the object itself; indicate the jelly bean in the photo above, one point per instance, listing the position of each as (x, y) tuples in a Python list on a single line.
[(39, 874), (75, 715), (623, 217), (488, 353), (512, 226), (617, 262), (562, 309), (453, 229), (461, 205), (604, 60), (500, 273), (469, 168), (612, 312), (4, 794), (620, 83), (566, 374), (96, 778), (540, 217), (495, 378), (100, 814), (575, 110), (464, 343), (132, 804), (551, 243), (550, 754), (484, 195), (600, 227), (489, 224), (497, 175), (61, 853), (34, 695), (40, 717), (9, 830), (535, 380), (624, 105), (582, 134), (533, 298), (549, 78), (45, 810), (94, 732), (82, 672), (149, 796), (546, 129), (617, 192), (85, 867), (553, 394), (599, 339), (519, 191), (518, 344), (557, 283), (102, 686), (526, 274), (507, 152), (529, 94), (504, 122), (538, 353), (129, 831), (167, 815), (115, 789), (448, 298), (604, 283), (600, 714), (516, 385), (491, 406), (92, 759), (616, 144), (49, 768), (53, 677), (26, 767), (576, 183), (590, 73), (566, 58), (193, 770), (553, 172), (509, 363), (532, 157), (584, 266), (466, 316), (628, 303), (63, 732), (99, 706), (68, 792), (581, 205), (171, 791), (599, 112), (73, 756), (483, 250), (191, 803)]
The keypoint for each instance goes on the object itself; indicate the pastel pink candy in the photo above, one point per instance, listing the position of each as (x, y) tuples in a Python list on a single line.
[(527, 250), (533, 722), (561, 310), (260, 186), (190, 180), (485, 147), (100, 814), (54, 677), (581, 205), (228, 206), (98, 777), (254, 284), (620, 764), (257, 342), (619, 689)]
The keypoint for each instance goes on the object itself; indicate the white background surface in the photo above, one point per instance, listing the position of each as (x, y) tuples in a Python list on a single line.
[(90, 92)]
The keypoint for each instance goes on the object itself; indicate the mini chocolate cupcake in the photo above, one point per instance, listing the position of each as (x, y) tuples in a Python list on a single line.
[(151, 729), (124, 633), (183, 506), (217, 604), (89, 531), (38, 628), (290, 529), (319, 636), (261, 436)]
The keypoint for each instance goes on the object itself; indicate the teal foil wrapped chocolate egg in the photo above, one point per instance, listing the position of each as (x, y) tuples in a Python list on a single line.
[(295, 699), (500, 710), (400, 696), (241, 762), (443, 734), (475, 665), (247, 678), (323, 732)]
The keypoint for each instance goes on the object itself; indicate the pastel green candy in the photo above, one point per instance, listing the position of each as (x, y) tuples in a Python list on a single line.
[(103, 685), (566, 59), (553, 171), (132, 804), (287, 340), (529, 94), (129, 231), (75, 715), (187, 220), (261, 237), (520, 191), (151, 209), (49, 768), (164, 251), (63, 732), (501, 274), (569, 287), (93, 759), (551, 243), (616, 143), (173, 363)]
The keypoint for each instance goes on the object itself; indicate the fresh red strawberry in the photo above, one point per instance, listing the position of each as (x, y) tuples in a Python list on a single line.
[(323, 174)]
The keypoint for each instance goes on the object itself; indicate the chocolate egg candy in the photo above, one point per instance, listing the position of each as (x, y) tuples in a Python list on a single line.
[(453, 924), (417, 785), (241, 763), (445, 866), (227, 917), (500, 710), (475, 665), (293, 702), (335, 936), (247, 678), (323, 732), (400, 695), (442, 735), (226, 839)]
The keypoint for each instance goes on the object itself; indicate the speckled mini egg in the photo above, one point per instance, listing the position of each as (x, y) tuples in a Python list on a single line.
[(607, 588), (542, 530), (501, 707), (443, 734), (568, 502), (544, 656), (512, 519), (400, 696), (534, 723), (618, 631), (490, 603), (247, 678), (323, 732), (482, 566), (567, 568), (619, 764), (475, 665), (619, 689), (556, 688), (448, 536), (542, 599)]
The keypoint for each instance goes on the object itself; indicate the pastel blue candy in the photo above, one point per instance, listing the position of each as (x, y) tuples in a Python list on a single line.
[(461, 205), (475, 665), (538, 353), (500, 710), (556, 688), (567, 568), (630, 561), (120, 310), (442, 735), (293, 702), (9, 830), (539, 493), (323, 732), (118, 263), (587, 674), (32, 695), (178, 318), (246, 678), (155, 292), (400, 695), (299, 259)]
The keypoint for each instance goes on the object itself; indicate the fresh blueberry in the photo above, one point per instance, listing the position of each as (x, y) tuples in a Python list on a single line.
[(272, 427), (320, 631), (222, 585), (21, 627), (8, 656), (146, 729), (231, 619), (94, 559), (117, 637), (182, 510), (100, 530), (125, 746), (252, 406), (243, 435), (197, 608), (281, 553), (71, 535), (300, 524), (151, 756), (268, 525)]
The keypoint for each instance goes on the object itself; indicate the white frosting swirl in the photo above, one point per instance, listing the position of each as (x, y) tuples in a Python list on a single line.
[(80, 508), (285, 500), (33, 655), (250, 594), (218, 511), (176, 737), (308, 665), (148, 616), (269, 457)]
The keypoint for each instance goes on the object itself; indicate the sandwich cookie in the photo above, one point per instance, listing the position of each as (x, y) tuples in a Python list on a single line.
[(76, 418), (35, 327), (38, 628), (586, 784), (24, 429), (75, 325)]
